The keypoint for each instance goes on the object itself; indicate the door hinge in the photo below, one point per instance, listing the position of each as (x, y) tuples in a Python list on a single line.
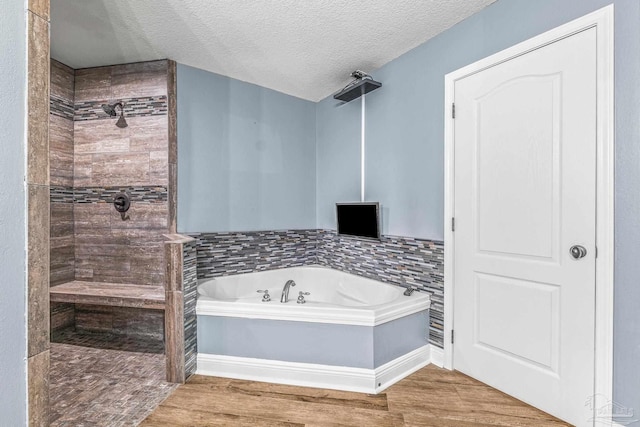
[(596, 252), (452, 336), (453, 110), (453, 224)]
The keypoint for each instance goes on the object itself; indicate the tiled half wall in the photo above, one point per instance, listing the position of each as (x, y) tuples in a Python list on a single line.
[(401, 261), (180, 315)]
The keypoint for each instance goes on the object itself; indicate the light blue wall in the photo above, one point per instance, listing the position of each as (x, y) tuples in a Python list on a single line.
[(246, 158), (13, 338), (405, 159), (627, 206), (405, 118)]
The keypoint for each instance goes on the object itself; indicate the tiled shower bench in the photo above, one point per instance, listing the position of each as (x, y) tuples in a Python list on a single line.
[(110, 294)]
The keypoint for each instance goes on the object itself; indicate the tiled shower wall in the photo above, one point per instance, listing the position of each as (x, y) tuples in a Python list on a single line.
[(402, 261), (61, 173), (62, 242), (91, 161), (108, 159)]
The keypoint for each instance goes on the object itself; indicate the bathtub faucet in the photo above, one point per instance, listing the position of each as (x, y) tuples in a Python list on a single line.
[(285, 290)]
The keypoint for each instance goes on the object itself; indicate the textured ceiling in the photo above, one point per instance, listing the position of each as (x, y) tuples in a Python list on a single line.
[(305, 48)]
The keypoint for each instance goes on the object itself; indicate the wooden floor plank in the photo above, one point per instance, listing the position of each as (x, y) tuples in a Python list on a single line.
[(454, 396), (293, 393), (414, 419), (279, 409), (429, 397), (179, 417)]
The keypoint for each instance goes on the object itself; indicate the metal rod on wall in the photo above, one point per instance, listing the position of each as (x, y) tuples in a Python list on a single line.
[(362, 84), (362, 149)]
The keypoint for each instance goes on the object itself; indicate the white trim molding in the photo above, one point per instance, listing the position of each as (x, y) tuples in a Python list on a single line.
[(602, 20), (312, 375), (437, 356)]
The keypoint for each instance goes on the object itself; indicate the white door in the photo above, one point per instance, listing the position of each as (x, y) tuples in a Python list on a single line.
[(525, 194)]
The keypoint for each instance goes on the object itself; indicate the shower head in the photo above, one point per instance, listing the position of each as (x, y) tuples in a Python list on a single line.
[(110, 109), (362, 83)]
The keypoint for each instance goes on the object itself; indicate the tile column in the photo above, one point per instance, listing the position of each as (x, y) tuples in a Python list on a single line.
[(180, 307), (172, 106), (38, 211)]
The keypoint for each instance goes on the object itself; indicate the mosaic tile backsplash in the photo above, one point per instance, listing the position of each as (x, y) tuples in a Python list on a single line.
[(133, 107), (402, 261), (223, 254), (61, 107), (61, 194), (155, 194)]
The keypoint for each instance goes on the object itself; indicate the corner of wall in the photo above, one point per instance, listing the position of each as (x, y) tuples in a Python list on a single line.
[(13, 244)]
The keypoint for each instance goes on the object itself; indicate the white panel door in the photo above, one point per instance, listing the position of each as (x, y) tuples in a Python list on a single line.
[(525, 194)]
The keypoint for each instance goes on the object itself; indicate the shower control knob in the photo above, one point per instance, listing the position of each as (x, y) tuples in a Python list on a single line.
[(122, 202), (266, 297)]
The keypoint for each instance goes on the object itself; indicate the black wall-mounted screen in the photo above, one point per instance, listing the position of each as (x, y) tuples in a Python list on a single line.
[(359, 219)]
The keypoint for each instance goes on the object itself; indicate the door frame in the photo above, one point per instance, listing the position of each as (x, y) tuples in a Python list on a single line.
[(602, 20)]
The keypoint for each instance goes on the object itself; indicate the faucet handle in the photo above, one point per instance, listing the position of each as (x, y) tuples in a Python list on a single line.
[(266, 297), (301, 295)]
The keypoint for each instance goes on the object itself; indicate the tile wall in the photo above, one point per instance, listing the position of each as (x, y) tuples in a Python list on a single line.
[(180, 315), (38, 182), (108, 159), (126, 321), (190, 295), (92, 160), (62, 242), (222, 254), (402, 261)]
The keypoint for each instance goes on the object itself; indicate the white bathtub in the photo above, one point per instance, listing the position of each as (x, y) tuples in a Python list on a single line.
[(334, 297), (352, 334)]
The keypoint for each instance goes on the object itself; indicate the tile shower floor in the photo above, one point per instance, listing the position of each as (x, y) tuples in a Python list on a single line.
[(97, 380)]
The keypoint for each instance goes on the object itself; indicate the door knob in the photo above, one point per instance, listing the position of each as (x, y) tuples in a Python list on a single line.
[(578, 251)]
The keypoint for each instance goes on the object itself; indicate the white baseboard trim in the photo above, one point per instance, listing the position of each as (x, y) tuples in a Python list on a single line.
[(397, 369), (312, 375), (437, 356)]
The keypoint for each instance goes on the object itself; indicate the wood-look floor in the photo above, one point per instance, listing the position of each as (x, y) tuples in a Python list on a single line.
[(429, 397)]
